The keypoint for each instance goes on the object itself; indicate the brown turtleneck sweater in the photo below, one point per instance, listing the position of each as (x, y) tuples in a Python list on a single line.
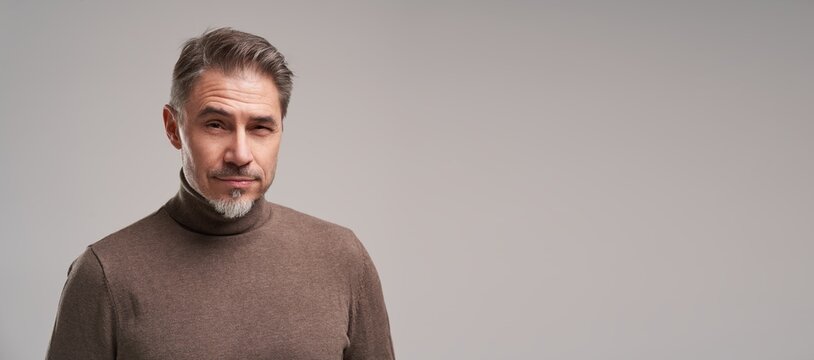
[(186, 283)]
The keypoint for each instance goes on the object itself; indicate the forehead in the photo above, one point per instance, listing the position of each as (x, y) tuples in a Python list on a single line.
[(241, 90)]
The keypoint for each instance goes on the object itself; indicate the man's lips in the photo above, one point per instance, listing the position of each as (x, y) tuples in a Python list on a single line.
[(238, 182)]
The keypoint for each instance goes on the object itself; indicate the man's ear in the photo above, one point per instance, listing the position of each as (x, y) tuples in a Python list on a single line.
[(171, 126)]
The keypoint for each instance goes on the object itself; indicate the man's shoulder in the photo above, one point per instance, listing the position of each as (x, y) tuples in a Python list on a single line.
[(297, 224), (295, 219), (145, 228)]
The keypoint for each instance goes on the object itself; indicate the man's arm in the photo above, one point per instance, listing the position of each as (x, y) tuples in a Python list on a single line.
[(369, 326), (85, 323)]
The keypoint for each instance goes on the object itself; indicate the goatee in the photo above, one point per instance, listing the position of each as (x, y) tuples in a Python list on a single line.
[(234, 207)]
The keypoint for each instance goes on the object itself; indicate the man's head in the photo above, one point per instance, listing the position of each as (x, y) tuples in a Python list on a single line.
[(230, 92)]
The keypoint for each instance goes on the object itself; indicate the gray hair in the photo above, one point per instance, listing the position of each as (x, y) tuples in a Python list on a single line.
[(234, 207), (229, 51)]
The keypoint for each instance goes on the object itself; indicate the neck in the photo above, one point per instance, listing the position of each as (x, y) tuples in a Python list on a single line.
[(194, 212)]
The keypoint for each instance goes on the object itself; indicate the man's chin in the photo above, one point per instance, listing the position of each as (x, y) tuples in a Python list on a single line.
[(232, 208)]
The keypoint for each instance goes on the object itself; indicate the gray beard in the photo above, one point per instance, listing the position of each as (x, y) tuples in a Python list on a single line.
[(234, 207)]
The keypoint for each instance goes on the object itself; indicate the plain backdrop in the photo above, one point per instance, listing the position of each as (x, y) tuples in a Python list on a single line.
[(533, 179)]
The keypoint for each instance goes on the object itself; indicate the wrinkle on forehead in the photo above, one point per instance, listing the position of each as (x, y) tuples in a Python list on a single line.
[(249, 89)]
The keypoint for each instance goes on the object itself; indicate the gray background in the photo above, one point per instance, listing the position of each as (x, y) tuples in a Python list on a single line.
[(559, 180)]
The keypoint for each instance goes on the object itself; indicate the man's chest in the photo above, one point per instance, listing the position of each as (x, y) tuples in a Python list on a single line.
[(277, 311)]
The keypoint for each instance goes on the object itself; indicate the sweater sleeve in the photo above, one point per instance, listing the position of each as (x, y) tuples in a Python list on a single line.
[(369, 326), (85, 322)]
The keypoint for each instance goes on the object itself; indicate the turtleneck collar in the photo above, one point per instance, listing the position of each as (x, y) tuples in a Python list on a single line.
[(192, 211)]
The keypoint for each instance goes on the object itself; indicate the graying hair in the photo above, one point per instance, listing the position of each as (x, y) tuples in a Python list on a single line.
[(229, 51), (234, 207)]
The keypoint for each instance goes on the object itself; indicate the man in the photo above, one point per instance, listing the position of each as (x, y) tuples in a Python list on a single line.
[(218, 272)]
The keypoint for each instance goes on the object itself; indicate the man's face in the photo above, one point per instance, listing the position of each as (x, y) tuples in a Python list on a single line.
[(230, 135)]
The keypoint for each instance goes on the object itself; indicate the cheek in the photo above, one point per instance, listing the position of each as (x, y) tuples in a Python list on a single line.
[(266, 156), (205, 154)]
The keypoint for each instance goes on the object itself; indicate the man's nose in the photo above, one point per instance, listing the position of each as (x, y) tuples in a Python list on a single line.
[(239, 152)]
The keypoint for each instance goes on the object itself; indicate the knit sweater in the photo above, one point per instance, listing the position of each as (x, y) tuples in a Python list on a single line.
[(187, 283)]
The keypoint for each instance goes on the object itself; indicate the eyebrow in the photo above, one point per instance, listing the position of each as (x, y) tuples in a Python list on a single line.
[(213, 110), (209, 110)]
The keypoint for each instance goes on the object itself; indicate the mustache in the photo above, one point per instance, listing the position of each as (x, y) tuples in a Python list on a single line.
[(236, 171)]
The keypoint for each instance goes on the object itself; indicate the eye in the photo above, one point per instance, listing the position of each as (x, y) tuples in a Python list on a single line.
[(215, 125), (264, 129)]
